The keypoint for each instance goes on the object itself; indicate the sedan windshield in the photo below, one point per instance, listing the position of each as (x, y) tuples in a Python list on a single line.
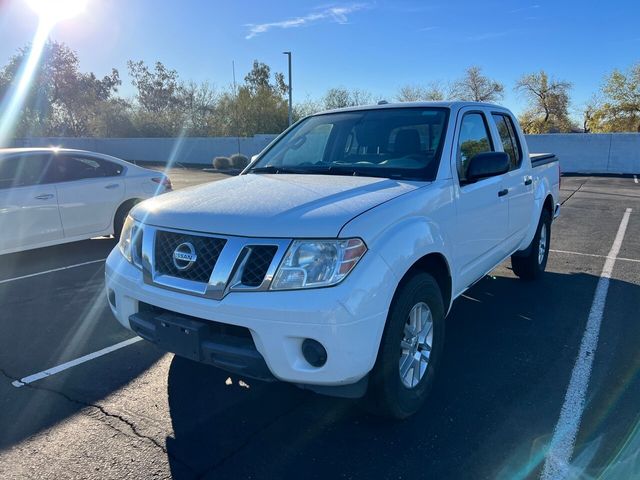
[(389, 142)]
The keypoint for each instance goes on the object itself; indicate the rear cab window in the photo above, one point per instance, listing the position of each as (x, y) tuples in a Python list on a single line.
[(509, 138)]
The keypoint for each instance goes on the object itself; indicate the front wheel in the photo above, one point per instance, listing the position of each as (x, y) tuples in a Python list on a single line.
[(410, 349), (532, 265)]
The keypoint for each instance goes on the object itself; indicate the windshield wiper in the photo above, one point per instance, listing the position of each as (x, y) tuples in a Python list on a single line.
[(274, 169), (329, 170)]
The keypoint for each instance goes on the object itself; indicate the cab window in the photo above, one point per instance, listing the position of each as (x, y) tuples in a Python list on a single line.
[(474, 138), (509, 139)]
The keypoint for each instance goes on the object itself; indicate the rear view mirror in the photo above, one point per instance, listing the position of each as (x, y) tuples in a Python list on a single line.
[(487, 164)]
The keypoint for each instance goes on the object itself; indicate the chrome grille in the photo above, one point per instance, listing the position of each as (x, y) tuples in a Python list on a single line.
[(207, 250), (257, 264)]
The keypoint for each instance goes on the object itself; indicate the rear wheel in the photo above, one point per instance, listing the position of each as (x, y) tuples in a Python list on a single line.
[(410, 349), (532, 265)]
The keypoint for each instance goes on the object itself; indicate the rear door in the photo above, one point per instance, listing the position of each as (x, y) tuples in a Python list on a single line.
[(28, 203), (518, 181), (90, 189), (482, 209)]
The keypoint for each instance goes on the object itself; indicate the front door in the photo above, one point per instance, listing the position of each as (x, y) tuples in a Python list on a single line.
[(28, 204), (482, 206)]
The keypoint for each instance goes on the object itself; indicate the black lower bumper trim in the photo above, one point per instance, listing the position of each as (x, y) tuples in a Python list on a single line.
[(353, 390), (201, 341)]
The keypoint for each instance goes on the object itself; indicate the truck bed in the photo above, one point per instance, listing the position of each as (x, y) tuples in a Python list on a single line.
[(538, 159)]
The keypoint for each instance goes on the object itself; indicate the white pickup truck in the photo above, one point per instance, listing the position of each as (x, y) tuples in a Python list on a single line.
[(332, 261)]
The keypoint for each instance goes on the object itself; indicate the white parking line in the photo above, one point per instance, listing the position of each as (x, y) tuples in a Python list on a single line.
[(557, 463), (593, 255), (51, 271), (72, 363), (635, 178)]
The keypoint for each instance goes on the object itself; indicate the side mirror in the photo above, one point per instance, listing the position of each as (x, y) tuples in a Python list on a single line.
[(487, 164)]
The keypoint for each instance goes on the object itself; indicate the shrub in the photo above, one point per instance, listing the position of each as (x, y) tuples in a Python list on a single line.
[(239, 161), (221, 163)]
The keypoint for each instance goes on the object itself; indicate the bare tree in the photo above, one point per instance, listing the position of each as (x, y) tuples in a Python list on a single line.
[(548, 103), (416, 93), (340, 97), (476, 87)]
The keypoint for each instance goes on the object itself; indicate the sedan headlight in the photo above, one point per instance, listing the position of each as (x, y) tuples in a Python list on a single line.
[(317, 263), (127, 236)]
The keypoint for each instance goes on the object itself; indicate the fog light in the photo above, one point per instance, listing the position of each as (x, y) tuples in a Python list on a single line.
[(314, 352), (111, 295)]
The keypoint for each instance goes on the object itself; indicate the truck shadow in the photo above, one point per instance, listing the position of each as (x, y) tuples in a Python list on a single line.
[(509, 354)]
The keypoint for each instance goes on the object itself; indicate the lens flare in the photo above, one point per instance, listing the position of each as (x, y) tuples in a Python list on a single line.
[(53, 11), (49, 12)]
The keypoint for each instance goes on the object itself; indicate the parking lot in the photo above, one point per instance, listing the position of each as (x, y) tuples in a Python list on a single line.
[(132, 411)]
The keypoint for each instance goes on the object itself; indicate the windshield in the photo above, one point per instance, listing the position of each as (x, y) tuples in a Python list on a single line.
[(391, 142)]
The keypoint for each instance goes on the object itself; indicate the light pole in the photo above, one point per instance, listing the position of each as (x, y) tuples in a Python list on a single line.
[(288, 54)]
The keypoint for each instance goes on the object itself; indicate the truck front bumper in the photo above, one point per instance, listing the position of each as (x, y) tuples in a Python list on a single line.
[(346, 320)]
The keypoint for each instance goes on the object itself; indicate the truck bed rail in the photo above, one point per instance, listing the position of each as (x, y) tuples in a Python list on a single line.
[(538, 159)]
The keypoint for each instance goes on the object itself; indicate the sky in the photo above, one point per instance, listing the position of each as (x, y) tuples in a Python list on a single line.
[(376, 46)]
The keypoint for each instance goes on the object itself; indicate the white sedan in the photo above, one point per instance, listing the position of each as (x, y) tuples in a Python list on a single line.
[(53, 195)]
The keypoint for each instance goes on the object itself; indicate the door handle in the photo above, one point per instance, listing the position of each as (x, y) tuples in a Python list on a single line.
[(45, 196), (111, 186), (503, 192), (528, 181)]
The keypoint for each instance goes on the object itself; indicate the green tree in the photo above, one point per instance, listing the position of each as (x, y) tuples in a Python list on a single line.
[(258, 105), (60, 100), (476, 87), (618, 109), (548, 98)]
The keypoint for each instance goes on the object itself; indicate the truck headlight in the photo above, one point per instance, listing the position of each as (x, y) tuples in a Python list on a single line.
[(127, 235), (317, 263)]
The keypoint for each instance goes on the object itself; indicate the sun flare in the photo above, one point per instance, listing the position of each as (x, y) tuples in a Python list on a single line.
[(52, 11)]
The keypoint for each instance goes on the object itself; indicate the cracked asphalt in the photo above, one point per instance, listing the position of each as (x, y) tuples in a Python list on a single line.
[(138, 412)]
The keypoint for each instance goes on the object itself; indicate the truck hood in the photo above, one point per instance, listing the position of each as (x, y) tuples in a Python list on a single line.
[(280, 206)]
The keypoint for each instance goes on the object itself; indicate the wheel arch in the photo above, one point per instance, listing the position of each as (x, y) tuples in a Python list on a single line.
[(124, 206), (435, 264), (548, 205)]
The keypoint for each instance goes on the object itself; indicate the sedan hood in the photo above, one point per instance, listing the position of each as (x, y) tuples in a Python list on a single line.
[(280, 206)]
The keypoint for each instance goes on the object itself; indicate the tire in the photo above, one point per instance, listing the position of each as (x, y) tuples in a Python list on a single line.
[(390, 393), (532, 265), (121, 216)]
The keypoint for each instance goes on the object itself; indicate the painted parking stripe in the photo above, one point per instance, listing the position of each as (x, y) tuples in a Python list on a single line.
[(558, 458), (51, 271), (635, 178), (567, 252), (72, 363)]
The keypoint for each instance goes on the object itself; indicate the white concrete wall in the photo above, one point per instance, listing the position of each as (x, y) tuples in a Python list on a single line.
[(181, 150), (578, 152), (591, 152)]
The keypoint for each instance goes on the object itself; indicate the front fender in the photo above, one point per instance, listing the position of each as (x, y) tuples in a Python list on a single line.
[(407, 228)]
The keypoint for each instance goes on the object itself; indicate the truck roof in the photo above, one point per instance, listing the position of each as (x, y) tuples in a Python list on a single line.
[(453, 105)]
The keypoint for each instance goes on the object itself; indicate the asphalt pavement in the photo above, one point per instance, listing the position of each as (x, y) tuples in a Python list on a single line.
[(511, 347)]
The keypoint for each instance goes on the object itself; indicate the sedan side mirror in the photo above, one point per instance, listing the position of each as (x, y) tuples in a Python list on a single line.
[(487, 164)]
